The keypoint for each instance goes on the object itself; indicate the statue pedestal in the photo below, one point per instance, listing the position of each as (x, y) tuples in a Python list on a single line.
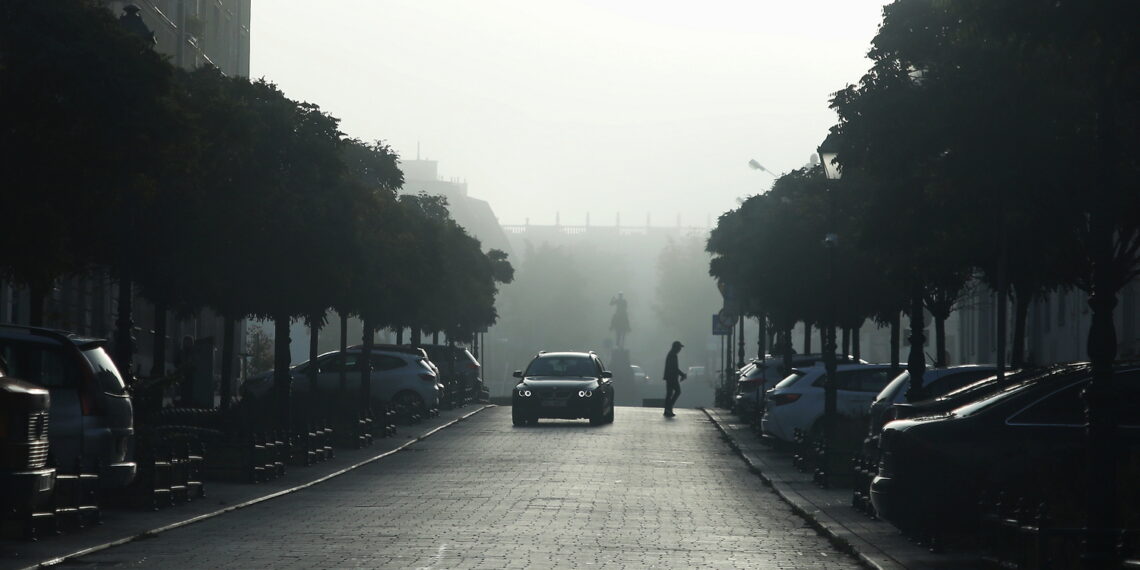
[(626, 390)]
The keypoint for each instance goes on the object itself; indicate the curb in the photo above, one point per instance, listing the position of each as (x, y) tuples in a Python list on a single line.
[(156, 531), (822, 527)]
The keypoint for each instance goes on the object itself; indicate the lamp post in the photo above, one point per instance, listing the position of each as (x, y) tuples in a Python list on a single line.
[(831, 170)]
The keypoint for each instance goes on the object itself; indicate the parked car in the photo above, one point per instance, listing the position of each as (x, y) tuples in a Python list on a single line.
[(457, 362), (91, 415), (1028, 438), (758, 376), (401, 376), (565, 385), (26, 482), (796, 402), (936, 382)]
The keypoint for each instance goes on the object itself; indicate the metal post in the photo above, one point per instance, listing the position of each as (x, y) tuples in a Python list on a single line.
[(830, 364), (740, 343), (916, 362)]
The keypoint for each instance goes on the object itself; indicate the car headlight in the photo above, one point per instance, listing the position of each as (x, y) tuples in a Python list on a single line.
[(585, 393), (524, 393)]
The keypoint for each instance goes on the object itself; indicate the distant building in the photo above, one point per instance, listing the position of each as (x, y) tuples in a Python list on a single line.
[(475, 215), (194, 33)]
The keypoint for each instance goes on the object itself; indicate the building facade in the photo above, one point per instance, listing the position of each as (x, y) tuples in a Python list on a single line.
[(191, 33)]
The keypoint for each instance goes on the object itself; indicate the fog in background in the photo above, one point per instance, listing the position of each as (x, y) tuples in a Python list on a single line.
[(561, 106)]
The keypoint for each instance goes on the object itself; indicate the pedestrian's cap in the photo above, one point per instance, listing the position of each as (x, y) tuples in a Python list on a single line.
[(677, 344)]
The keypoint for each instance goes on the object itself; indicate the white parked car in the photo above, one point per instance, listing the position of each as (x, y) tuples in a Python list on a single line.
[(797, 401)]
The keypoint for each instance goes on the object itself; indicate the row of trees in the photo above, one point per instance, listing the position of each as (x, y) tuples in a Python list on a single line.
[(213, 191), (993, 140)]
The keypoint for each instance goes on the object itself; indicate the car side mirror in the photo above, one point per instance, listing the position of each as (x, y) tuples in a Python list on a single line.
[(607, 374), (518, 374)]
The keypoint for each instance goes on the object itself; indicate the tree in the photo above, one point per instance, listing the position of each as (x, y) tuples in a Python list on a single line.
[(77, 90)]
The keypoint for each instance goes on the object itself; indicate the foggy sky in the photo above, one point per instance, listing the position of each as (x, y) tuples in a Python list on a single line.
[(576, 106)]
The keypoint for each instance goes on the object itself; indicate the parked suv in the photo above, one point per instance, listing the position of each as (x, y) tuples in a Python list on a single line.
[(797, 401), (457, 362), (401, 376), (26, 482), (91, 416)]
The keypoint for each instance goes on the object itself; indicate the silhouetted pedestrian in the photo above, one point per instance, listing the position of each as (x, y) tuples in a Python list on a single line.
[(673, 377)]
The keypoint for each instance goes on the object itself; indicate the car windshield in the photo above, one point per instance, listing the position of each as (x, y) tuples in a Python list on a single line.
[(790, 379), (991, 399), (561, 366), (891, 391)]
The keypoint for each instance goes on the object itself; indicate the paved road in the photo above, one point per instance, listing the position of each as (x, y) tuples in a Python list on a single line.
[(643, 492)]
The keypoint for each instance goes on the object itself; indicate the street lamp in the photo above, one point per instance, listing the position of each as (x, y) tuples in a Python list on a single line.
[(832, 171), (757, 166)]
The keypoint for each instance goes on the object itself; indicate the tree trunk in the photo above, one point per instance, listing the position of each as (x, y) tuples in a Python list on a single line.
[(343, 350), (855, 333), (416, 337), (37, 296), (399, 335), (124, 328), (916, 362), (366, 363), (846, 343), (158, 360), (228, 323), (1002, 301), (314, 342), (786, 349), (1021, 313), (761, 337), (807, 337), (282, 382), (940, 340), (435, 337), (896, 334)]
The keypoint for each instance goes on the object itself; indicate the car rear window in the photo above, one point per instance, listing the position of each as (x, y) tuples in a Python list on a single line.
[(790, 379), (106, 373)]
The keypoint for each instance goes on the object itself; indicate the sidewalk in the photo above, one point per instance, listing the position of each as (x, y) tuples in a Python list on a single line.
[(875, 542), (123, 525)]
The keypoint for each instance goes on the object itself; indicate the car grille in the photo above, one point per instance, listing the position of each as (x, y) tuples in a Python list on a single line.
[(554, 393), (30, 439)]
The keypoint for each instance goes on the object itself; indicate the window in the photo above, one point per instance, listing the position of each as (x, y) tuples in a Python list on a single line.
[(45, 365), (951, 382), (562, 366), (105, 371), (872, 380), (1062, 407), (387, 362)]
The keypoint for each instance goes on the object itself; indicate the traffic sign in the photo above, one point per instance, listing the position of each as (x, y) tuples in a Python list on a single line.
[(722, 322)]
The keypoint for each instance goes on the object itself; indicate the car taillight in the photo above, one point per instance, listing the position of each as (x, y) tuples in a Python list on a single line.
[(427, 378), (781, 399)]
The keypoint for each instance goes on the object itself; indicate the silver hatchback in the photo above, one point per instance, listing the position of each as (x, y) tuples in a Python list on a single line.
[(397, 376)]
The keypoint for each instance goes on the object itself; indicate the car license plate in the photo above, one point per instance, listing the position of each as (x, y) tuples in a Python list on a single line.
[(554, 403)]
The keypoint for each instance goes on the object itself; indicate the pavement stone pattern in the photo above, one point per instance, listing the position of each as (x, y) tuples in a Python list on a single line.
[(644, 492), (877, 543), (125, 524)]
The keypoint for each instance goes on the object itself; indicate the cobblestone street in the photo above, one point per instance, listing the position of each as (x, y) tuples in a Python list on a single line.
[(642, 492)]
